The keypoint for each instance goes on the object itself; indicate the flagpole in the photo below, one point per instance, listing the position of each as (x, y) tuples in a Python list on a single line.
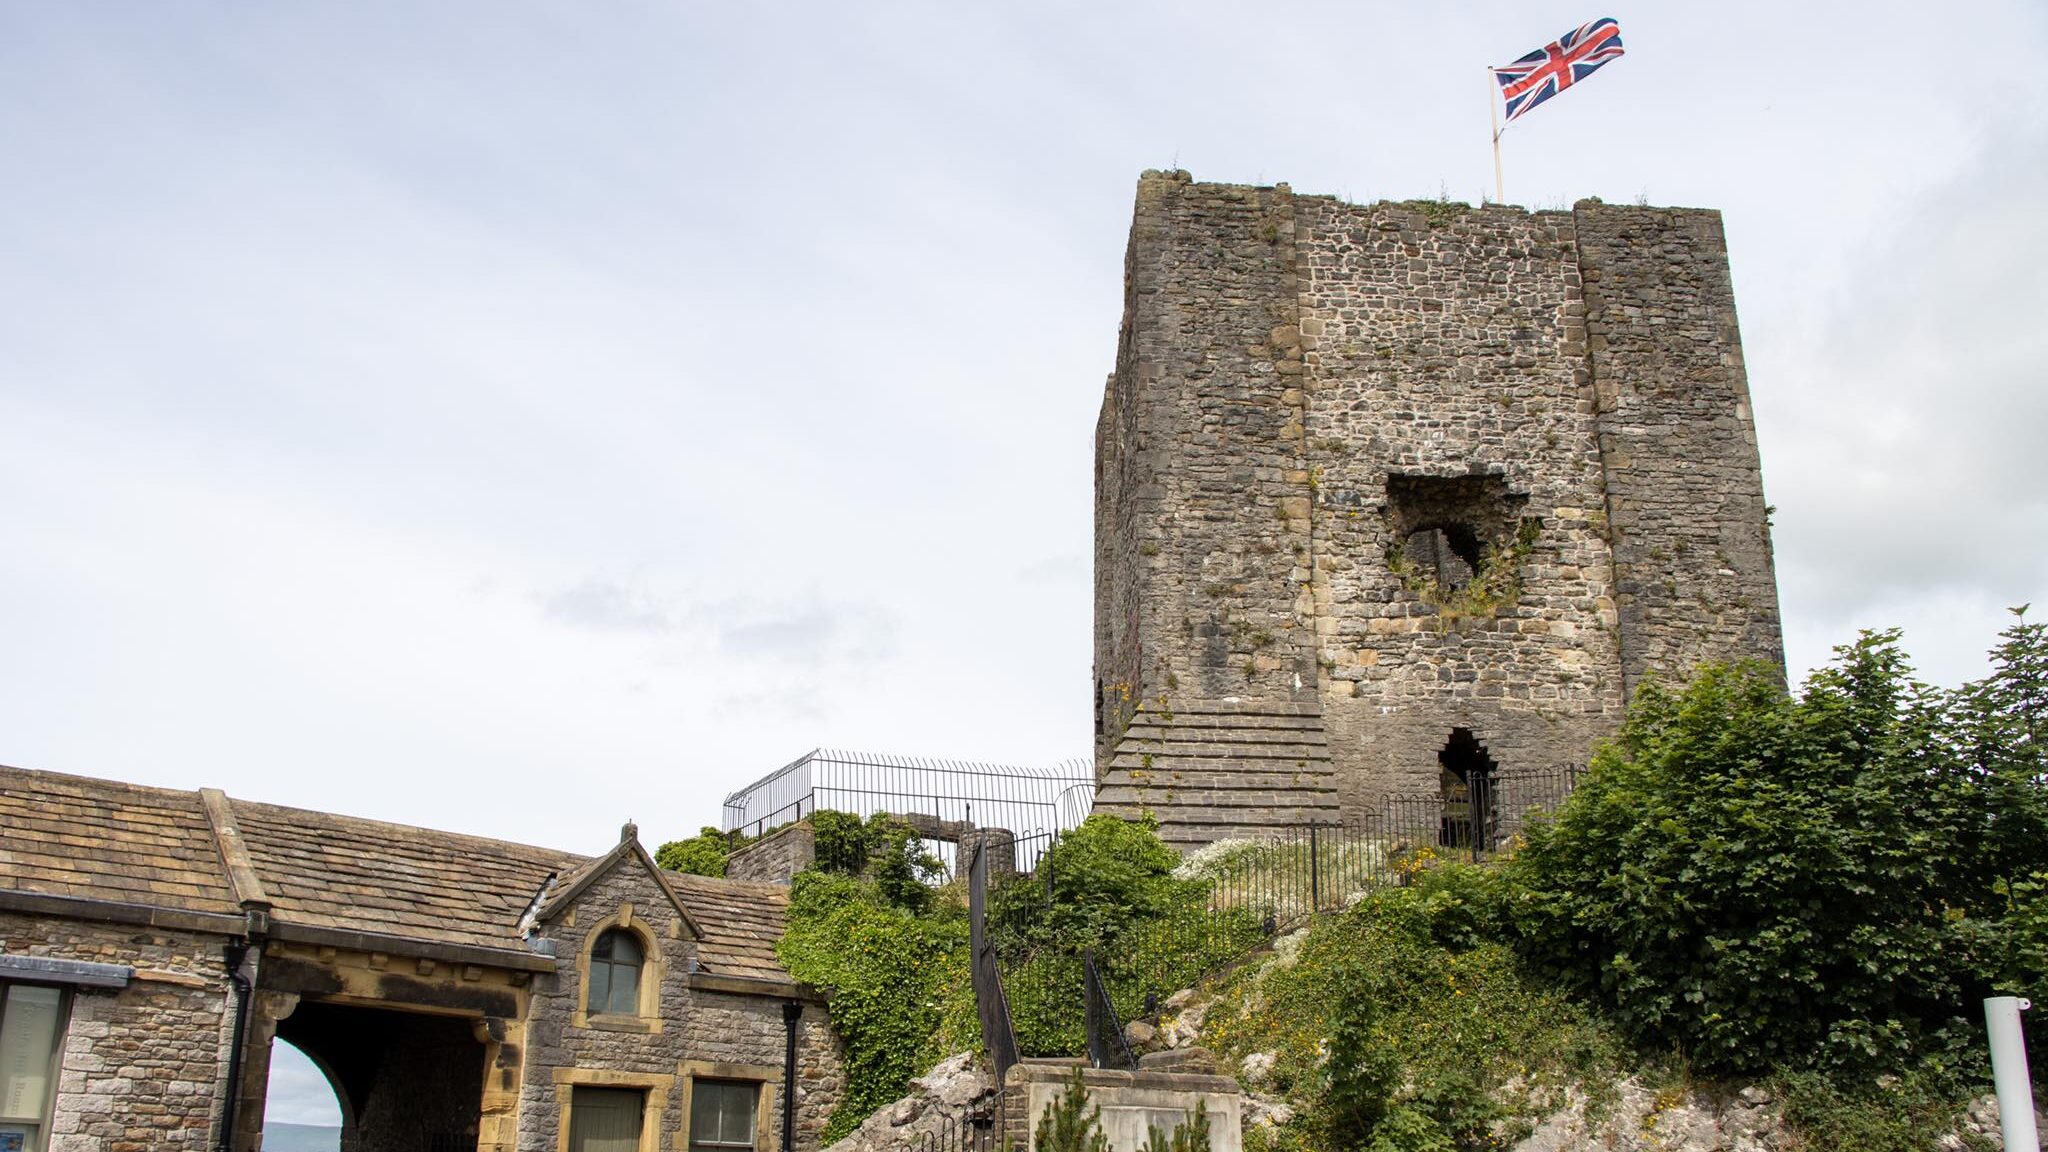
[(1493, 114)]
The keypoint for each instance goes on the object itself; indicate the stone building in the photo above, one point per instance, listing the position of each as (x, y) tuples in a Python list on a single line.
[(458, 992), (1399, 500)]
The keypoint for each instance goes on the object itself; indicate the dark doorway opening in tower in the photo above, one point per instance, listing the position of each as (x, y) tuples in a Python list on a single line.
[(1467, 780)]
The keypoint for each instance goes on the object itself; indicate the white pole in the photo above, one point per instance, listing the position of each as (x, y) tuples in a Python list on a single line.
[(2009, 1073), (1493, 114)]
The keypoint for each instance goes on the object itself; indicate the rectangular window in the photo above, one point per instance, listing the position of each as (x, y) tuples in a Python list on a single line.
[(605, 1119), (722, 1115), (31, 1020)]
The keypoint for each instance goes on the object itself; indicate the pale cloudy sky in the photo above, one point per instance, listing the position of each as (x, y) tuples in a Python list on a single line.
[(513, 418)]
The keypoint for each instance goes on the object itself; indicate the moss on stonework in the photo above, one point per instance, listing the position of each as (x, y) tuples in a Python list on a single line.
[(1440, 213)]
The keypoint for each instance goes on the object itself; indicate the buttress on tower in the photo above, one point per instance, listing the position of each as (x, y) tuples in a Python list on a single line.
[(1378, 485)]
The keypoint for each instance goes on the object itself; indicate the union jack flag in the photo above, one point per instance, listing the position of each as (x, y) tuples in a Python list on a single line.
[(1557, 66)]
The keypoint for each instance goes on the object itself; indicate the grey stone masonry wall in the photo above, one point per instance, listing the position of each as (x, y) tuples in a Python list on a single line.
[(696, 1031), (1397, 470), (1685, 496), (142, 1067), (1202, 507), (775, 857)]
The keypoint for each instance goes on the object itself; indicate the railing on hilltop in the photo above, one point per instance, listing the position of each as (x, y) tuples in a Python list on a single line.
[(1059, 966), (1021, 799)]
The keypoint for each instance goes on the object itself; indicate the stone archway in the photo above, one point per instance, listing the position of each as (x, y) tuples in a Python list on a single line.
[(407, 1081)]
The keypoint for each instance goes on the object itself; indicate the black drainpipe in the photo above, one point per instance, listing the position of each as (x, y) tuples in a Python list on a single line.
[(792, 1011), (234, 952)]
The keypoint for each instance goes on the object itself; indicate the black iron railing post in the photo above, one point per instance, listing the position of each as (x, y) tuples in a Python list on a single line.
[(1315, 872)]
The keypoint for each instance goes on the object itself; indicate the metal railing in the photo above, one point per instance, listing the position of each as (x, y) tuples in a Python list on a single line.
[(1020, 799)]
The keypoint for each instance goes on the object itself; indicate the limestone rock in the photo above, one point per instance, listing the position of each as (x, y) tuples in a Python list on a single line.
[(941, 1101)]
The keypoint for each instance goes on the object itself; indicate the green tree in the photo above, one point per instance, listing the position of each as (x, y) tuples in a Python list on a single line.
[(1069, 1124), (1772, 881), (1096, 880)]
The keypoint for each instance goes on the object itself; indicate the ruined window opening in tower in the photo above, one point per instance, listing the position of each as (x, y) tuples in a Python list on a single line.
[(1447, 525), (1466, 776)]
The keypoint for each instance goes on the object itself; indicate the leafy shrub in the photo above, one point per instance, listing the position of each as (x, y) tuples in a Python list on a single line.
[(882, 848), (1766, 881), (1399, 1025), (1107, 886), (1096, 880), (701, 855)]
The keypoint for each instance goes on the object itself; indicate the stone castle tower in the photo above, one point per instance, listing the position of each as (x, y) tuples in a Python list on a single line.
[(1391, 493)]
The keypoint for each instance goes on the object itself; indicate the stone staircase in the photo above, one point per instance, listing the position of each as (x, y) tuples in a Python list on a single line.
[(1214, 771)]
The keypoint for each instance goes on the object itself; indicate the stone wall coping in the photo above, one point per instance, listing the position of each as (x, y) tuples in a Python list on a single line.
[(517, 961), (1021, 1074), (776, 833), (749, 986), (117, 912)]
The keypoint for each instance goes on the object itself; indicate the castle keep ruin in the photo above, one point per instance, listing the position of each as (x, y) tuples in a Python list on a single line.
[(1395, 498)]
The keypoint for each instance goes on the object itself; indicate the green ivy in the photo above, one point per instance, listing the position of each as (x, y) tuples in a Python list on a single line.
[(867, 928), (895, 978)]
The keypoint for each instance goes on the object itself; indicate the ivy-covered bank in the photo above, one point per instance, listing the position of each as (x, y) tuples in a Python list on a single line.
[(890, 952)]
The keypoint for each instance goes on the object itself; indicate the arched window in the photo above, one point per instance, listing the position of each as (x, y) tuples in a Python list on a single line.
[(615, 963)]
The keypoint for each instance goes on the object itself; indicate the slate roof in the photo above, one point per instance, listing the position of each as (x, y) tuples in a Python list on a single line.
[(103, 840), (71, 836)]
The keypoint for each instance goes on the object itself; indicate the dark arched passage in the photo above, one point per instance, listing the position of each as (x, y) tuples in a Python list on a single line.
[(1466, 778), (407, 1081)]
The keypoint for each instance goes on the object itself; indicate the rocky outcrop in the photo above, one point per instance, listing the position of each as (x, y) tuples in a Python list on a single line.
[(951, 1097)]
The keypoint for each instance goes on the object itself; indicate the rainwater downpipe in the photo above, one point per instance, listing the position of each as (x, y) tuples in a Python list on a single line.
[(792, 1011), (233, 954)]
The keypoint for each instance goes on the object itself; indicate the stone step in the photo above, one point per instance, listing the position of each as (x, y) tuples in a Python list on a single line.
[(1258, 720), (1211, 750), (1169, 775), (1240, 708), (1178, 822)]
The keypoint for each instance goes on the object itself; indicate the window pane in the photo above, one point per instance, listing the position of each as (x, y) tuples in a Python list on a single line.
[(722, 1113), (625, 949), (605, 1120), (28, 1046), (600, 986), (736, 1115), (625, 998)]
